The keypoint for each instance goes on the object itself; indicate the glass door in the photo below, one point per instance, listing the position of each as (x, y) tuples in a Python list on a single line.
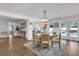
[(69, 30), (64, 30), (74, 31)]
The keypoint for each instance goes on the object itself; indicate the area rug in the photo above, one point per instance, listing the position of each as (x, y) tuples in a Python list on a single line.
[(53, 51)]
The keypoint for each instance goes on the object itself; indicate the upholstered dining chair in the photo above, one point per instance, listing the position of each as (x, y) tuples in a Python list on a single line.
[(56, 38), (45, 40), (36, 39)]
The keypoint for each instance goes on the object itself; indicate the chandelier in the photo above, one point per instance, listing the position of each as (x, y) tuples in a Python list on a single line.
[(45, 19)]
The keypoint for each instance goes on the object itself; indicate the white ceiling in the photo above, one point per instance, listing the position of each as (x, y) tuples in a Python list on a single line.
[(35, 11)]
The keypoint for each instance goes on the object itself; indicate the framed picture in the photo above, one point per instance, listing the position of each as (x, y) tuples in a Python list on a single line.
[(56, 25)]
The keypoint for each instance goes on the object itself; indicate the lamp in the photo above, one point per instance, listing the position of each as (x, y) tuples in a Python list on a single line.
[(45, 19)]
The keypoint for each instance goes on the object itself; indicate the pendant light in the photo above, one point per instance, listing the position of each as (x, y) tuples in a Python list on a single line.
[(45, 19)]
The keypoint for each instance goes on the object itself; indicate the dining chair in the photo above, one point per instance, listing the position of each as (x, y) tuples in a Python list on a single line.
[(56, 38), (44, 40), (36, 39), (33, 34)]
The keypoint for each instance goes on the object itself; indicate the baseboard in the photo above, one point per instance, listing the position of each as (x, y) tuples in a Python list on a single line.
[(70, 40)]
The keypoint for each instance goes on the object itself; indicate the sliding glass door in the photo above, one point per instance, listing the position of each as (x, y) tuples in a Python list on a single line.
[(69, 30), (74, 31), (64, 30)]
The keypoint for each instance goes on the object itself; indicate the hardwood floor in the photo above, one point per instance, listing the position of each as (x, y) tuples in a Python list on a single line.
[(72, 49), (14, 47)]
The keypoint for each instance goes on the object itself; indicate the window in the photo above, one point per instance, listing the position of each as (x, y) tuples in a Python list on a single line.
[(74, 30)]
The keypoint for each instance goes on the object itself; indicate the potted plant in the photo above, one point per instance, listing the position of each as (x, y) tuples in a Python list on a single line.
[(17, 30), (45, 26)]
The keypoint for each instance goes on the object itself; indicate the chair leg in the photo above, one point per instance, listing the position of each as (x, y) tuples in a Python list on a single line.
[(51, 44), (33, 43), (48, 47), (41, 46), (59, 46)]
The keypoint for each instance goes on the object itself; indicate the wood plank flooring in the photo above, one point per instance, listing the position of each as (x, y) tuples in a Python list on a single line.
[(72, 49), (14, 47)]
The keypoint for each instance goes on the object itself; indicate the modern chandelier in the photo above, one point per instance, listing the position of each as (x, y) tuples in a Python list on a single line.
[(45, 19)]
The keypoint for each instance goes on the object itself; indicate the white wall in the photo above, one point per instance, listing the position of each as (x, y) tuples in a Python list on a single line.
[(3, 25), (29, 29)]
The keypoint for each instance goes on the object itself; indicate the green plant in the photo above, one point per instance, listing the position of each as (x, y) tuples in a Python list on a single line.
[(45, 26), (17, 28)]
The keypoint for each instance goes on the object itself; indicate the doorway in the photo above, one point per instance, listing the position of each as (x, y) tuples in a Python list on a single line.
[(11, 29)]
